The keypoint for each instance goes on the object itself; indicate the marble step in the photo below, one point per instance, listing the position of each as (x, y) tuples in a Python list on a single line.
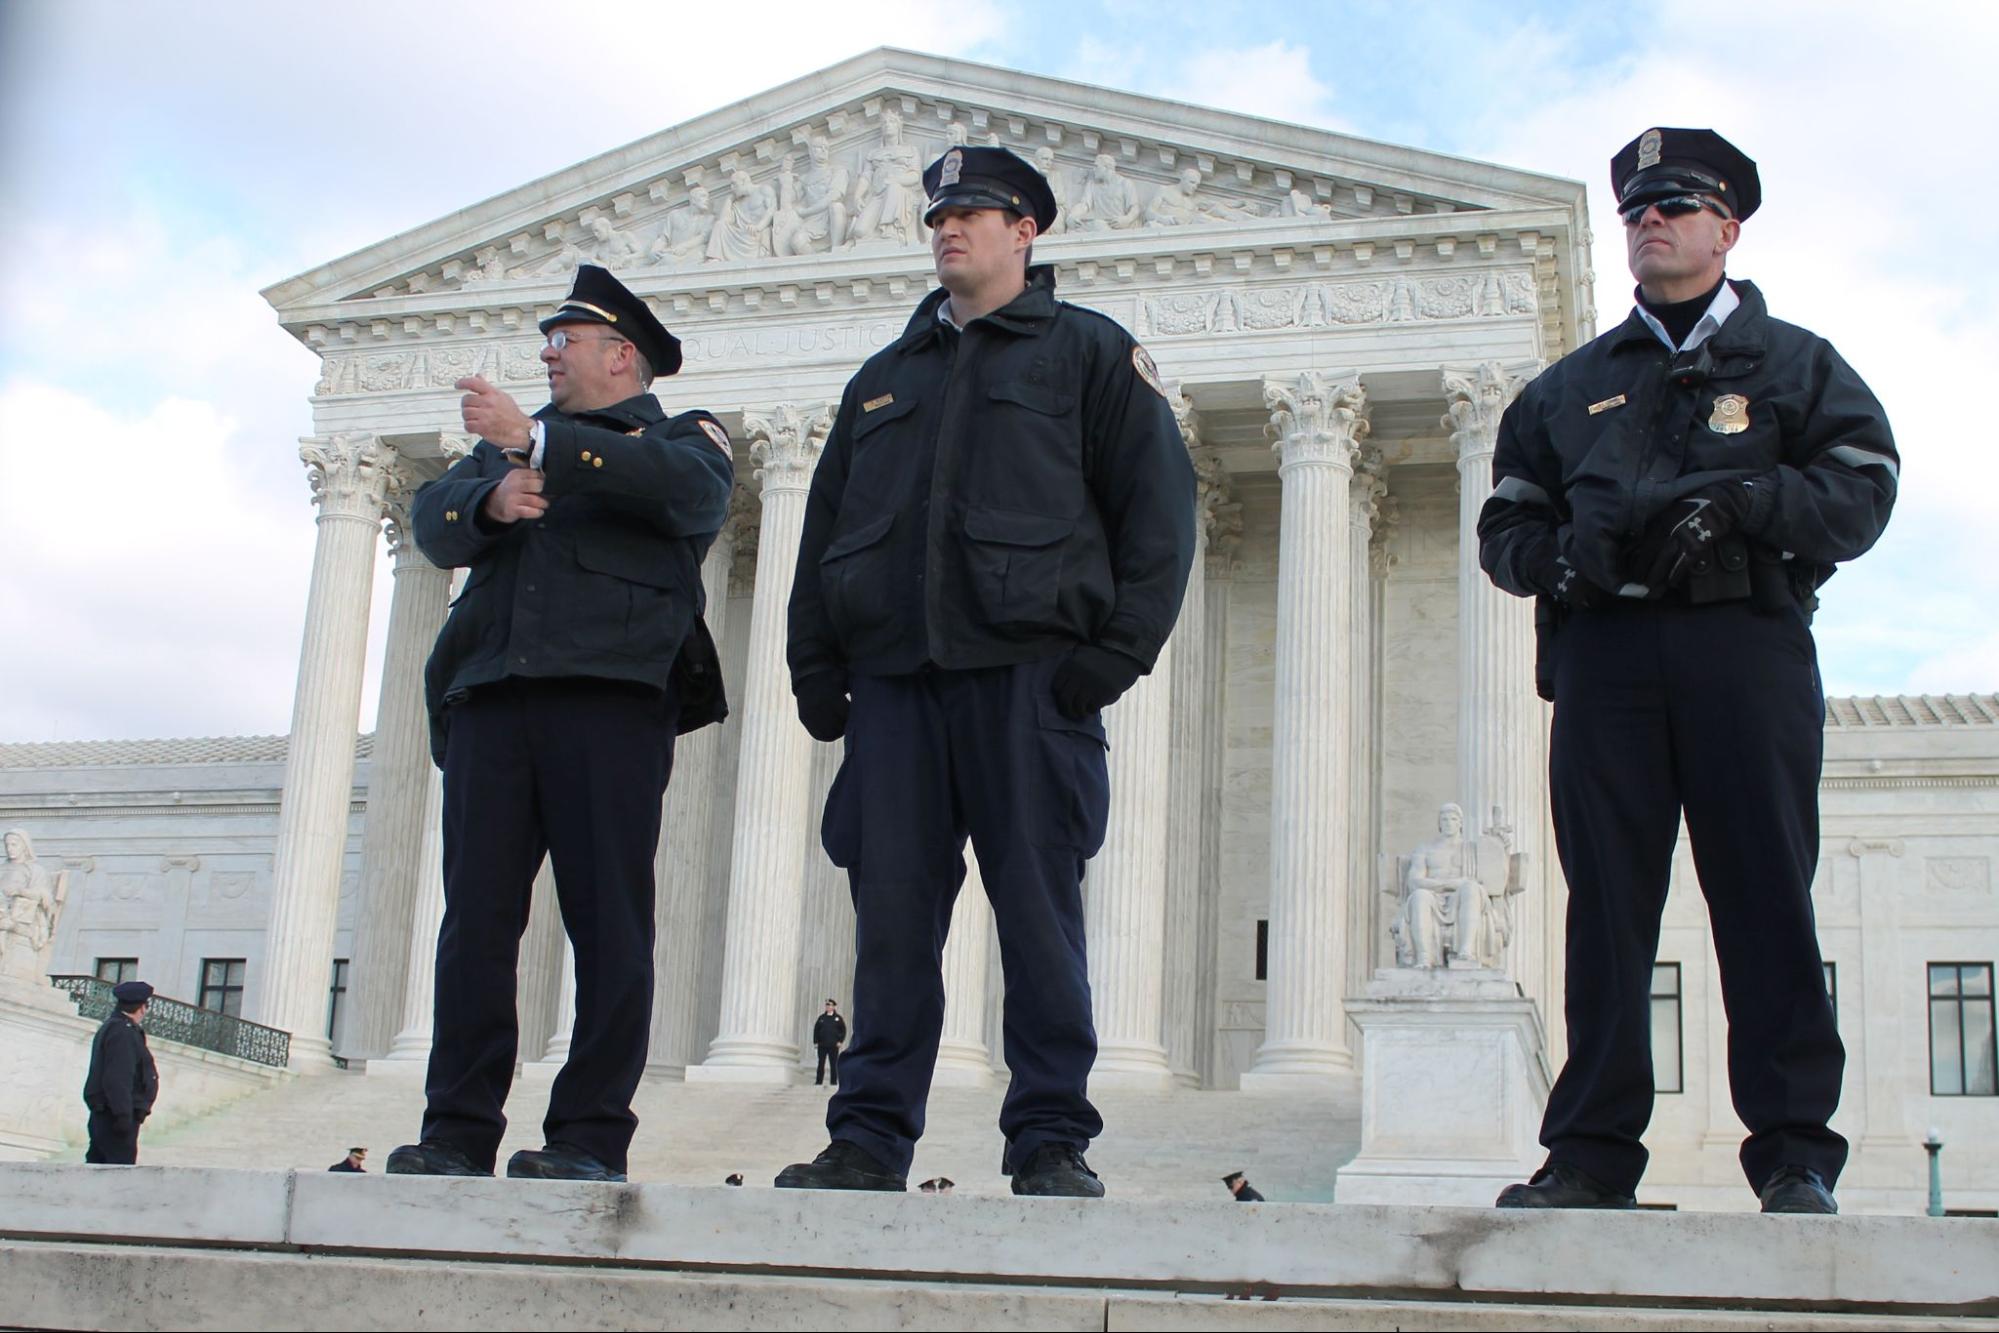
[(201, 1247)]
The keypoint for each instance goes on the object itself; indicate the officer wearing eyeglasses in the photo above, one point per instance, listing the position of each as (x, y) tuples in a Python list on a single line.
[(1674, 494), (570, 661)]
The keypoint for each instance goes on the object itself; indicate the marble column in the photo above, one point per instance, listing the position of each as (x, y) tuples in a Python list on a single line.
[(557, 1052), (1224, 534), (392, 864), (766, 860), (1124, 908), (1362, 879), (963, 1058), (411, 1042), (826, 918), (683, 864), (1318, 422), (538, 975), (1501, 758), (350, 475)]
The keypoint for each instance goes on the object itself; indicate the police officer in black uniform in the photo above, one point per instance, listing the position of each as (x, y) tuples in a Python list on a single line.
[(570, 661), (122, 1082), (1674, 493), (829, 1034), (995, 547)]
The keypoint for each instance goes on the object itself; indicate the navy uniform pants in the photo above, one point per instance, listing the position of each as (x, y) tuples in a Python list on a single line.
[(111, 1145), (574, 770), (931, 758), (1716, 712)]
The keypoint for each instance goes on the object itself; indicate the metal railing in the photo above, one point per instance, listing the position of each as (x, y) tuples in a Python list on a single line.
[(177, 1020)]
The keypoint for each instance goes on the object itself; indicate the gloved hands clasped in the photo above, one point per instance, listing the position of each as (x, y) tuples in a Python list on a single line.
[(1567, 585), (1685, 533), (1091, 678), (822, 704)]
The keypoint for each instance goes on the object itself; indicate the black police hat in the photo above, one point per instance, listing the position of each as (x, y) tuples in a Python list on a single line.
[(988, 178), (131, 992), (598, 298), (1661, 163), (1232, 1177)]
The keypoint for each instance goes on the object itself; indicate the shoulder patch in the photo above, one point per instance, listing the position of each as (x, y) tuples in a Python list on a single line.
[(1141, 361), (718, 437)]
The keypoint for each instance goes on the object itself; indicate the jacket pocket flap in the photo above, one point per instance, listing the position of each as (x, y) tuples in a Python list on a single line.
[(1014, 527), (859, 539), (1035, 397), (867, 421), (633, 563)]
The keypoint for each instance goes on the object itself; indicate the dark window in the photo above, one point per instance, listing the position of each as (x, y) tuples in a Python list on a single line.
[(1668, 1064), (115, 970), (1832, 989), (222, 986), (1963, 1060), (333, 1000), (1263, 951)]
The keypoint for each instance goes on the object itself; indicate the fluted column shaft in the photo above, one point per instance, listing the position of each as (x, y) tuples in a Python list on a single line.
[(1365, 492), (392, 865), (565, 1013), (1318, 423), (681, 867), (826, 918), (963, 1058), (766, 862), (1124, 908), (419, 1007), (350, 475), (1501, 757)]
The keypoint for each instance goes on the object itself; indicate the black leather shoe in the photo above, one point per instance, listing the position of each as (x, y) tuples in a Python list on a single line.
[(559, 1161), (843, 1166), (431, 1158), (1558, 1185), (1057, 1171), (1797, 1189)]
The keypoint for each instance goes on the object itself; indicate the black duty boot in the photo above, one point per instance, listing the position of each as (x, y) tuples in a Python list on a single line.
[(431, 1158), (1057, 1171), (843, 1166), (1558, 1185), (559, 1161), (1797, 1189)]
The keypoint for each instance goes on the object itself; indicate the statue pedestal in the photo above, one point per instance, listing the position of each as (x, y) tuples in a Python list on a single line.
[(1454, 1078)]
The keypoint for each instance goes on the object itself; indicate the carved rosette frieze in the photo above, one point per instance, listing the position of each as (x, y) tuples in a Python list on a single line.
[(1476, 398), (350, 473), (1316, 419), (785, 443)]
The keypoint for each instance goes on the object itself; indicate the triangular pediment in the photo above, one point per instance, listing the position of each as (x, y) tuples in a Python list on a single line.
[(827, 166)]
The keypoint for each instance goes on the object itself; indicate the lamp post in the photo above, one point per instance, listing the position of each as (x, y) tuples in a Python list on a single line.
[(1933, 1145)]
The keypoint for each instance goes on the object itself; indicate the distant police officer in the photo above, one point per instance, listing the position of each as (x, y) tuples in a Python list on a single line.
[(555, 698), (122, 1082), (1674, 493), (829, 1033), (995, 547)]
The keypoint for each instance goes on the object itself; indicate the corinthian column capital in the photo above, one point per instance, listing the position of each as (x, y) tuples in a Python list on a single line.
[(1477, 396), (1316, 418), (350, 473), (1365, 492), (785, 443), (1185, 415)]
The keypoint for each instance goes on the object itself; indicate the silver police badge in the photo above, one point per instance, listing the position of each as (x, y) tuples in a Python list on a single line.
[(1730, 415), (954, 164), (1648, 150)]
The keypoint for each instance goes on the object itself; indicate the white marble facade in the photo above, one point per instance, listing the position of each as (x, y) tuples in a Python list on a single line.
[(1341, 322)]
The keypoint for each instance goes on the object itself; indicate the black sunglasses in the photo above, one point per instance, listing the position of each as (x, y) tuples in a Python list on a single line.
[(1676, 206)]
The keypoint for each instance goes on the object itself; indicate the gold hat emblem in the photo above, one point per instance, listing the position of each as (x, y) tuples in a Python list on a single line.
[(954, 163), (1730, 415), (1648, 149)]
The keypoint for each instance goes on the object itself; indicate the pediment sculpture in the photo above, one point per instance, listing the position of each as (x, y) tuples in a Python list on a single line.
[(1455, 896)]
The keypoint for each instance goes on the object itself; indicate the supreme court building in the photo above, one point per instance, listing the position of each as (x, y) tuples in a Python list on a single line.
[(1340, 324)]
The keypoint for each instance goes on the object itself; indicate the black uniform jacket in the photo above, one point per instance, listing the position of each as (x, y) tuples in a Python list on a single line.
[(122, 1081), (995, 496), (830, 1030), (607, 583), (1615, 432)]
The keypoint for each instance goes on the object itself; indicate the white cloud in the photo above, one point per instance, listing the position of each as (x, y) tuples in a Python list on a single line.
[(1274, 80)]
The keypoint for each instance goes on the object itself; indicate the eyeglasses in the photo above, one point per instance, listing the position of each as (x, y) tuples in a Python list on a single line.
[(561, 338), (1677, 206)]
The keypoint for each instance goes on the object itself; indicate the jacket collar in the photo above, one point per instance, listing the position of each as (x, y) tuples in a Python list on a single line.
[(639, 411), (1028, 313), (1741, 332)]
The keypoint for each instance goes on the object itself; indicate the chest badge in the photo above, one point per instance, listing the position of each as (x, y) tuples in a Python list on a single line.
[(1606, 405), (875, 404), (1730, 415)]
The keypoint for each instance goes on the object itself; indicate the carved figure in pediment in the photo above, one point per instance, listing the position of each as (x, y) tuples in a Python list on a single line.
[(31, 897), (683, 241), (610, 247), (1182, 202), (562, 261), (811, 206), (1108, 200), (487, 269), (1299, 203), (743, 227), (1044, 162), (888, 197)]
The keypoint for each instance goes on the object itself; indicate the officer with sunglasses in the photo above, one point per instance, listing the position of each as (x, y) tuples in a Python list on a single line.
[(1673, 495)]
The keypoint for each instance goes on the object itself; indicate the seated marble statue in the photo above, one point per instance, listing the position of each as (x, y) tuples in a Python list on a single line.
[(888, 197), (31, 897), (683, 241), (812, 207), (1455, 907), (743, 229), (1108, 200)]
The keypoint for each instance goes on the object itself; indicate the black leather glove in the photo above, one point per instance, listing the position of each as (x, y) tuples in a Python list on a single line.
[(1685, 533), (1092, 678), (822, 704), (1567, 585)]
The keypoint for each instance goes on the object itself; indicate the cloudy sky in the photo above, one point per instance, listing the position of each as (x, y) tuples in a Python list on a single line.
[(159, 164)]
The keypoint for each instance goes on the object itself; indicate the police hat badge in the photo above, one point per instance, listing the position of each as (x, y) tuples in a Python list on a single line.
[(954, 166), (1648, 149), (1730, 415)]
